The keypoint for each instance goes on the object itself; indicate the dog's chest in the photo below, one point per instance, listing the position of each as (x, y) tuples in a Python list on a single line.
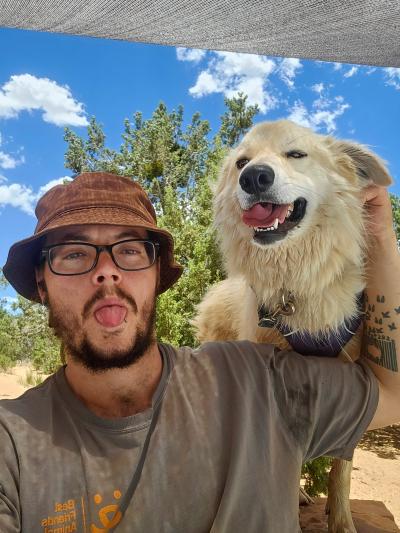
[(349, 351)]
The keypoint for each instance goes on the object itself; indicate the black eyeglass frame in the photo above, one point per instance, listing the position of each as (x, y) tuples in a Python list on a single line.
[(45, 254)]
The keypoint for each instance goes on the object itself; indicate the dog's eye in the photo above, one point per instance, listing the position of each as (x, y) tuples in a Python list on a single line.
[(240, 163), (296, 154)]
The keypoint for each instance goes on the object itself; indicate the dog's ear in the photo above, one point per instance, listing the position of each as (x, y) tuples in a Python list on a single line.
[(368, 166)]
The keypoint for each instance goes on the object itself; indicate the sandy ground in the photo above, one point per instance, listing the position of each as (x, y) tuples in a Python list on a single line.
[(376, 469), (376, 466)]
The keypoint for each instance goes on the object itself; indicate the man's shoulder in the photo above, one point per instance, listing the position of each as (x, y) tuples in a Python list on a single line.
[(235, 354), (32, 400)]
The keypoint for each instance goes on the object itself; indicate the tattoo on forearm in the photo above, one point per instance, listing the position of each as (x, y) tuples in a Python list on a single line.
[(381, 348)]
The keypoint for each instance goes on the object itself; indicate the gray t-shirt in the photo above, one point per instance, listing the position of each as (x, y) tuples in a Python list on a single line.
[(236, 422)]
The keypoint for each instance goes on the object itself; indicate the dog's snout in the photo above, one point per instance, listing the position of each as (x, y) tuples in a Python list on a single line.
[(257, 179)]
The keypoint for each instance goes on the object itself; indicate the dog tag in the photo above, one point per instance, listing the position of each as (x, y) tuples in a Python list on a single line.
[(267, 322), (267, 319)]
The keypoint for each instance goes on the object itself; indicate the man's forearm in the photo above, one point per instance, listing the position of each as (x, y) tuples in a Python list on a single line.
[(381, 344)]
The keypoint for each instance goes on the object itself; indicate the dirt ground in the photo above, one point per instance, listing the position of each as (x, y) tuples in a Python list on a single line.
[(376, 466), (376, 469)]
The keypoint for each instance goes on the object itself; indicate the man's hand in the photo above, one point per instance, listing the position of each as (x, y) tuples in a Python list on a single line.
[(379, 214)]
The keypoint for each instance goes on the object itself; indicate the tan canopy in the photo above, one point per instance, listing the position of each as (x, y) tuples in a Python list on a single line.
[(352, 31)]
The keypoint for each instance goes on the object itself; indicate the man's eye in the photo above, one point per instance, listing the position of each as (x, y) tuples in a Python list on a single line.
[(240, 163), (130, 251), (73, 256), (296, 154)]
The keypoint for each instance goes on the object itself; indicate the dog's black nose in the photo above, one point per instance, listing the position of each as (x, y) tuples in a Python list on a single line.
[(256, 179)]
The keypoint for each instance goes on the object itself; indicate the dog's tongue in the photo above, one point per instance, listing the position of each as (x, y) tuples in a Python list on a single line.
[(110, 315), (264, 214)]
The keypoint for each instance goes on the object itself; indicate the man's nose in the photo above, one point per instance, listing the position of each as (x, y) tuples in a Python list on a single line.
[(256, 179), (106, 271)]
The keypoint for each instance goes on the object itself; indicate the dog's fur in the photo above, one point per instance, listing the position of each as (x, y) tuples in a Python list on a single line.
[(320, 259)]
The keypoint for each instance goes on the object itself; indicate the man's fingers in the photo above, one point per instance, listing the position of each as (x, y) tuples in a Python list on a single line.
[(375, 195)]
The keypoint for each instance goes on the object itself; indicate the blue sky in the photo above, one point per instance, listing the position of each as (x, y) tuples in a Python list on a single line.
[(49, 81)]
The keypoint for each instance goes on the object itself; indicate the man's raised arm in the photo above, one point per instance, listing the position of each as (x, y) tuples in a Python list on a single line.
[(381, 343)]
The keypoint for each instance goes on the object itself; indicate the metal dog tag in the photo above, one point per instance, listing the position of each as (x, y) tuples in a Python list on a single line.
[(267, 319)]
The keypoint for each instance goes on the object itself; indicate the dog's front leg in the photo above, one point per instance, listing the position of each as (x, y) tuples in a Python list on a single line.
[(249, 317), (338, 503)]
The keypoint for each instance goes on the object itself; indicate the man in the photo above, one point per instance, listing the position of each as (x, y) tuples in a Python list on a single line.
[(141, 437)]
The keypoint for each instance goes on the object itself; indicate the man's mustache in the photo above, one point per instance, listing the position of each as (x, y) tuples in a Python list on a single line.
[(104, 293)]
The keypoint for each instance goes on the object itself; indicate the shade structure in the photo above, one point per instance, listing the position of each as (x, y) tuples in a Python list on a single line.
[(352, 31)]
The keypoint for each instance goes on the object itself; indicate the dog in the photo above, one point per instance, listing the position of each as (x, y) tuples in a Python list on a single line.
[(290, 221)]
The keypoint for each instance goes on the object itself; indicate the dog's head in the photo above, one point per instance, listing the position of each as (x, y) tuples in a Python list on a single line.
[(284, 180)]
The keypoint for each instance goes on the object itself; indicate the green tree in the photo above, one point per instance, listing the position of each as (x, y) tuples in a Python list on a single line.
[(9, 348), (8, 332), (396, 214), (25, 334), (90, 154), (237, 119), (37, 342)]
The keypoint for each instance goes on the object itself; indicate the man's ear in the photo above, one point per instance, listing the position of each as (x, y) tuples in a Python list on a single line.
[(41, 285), (369, 167), (158, 265)]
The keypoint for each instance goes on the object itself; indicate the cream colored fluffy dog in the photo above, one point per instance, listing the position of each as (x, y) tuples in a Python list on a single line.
[(290, 221)]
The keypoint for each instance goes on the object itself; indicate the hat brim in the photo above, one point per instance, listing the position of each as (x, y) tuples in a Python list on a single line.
[(23, 257)]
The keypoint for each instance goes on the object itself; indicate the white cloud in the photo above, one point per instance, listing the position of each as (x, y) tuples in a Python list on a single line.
[(22, 196), (206, 84), (318, 88), (230, 73), (288, 69), (19, 196), (52, 183), (351, 72), (337, 66), (7, 161), (25, 92), (323, 114), (327, 119), (190, 54), (392, 76), (299, 114)]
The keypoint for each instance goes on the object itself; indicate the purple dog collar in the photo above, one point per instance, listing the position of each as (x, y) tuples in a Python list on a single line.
[(329, 345)]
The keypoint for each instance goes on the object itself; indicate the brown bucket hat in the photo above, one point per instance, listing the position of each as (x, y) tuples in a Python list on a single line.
[(91, 198)]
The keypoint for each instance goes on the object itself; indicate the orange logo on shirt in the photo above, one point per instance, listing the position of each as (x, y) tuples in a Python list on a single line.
[(109, 515)]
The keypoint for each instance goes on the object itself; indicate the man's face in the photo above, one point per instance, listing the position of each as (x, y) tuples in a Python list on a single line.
[(105, 317)]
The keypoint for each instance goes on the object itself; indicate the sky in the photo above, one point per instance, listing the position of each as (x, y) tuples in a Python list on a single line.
[(51, 81)]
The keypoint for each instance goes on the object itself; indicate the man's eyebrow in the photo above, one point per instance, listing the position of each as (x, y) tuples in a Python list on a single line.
[(129, 235), (82, 237), (74, 237)]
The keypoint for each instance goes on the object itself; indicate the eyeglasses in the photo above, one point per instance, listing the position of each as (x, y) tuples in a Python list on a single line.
[(73, 258)]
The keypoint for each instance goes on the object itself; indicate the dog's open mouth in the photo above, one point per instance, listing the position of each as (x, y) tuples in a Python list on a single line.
[(271, 222)]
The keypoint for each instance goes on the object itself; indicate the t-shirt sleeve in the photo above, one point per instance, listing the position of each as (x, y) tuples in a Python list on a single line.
[(326, 404), (9, 501)]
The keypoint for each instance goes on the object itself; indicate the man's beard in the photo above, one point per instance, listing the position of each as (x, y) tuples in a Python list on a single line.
[(78, 346)]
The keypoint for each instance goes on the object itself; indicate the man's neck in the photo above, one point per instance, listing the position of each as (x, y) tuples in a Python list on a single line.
[(118, 392)]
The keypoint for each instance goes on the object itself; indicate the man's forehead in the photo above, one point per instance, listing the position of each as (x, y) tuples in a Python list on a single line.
[(95, 233)]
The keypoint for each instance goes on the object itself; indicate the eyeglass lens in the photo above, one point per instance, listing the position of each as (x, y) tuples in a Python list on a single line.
[(78, 258)]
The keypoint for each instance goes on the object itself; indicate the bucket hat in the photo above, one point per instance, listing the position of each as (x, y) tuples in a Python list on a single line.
[(91, 198)]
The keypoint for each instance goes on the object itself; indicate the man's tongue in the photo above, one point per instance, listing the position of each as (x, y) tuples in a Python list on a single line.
[(264, 215), (110, 315)]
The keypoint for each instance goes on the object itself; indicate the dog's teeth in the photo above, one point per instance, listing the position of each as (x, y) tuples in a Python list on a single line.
[(275, 224), (290, 210), (260, 230)]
